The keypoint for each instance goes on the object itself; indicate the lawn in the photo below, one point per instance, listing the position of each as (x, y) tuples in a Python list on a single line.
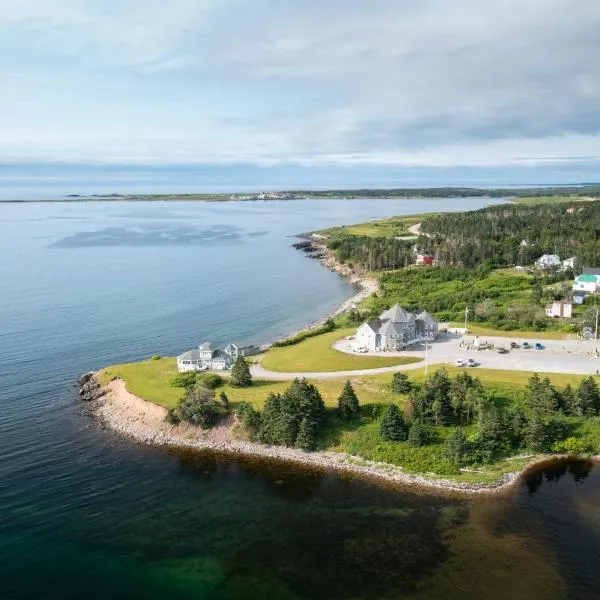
[(317, 355), (149, 379)]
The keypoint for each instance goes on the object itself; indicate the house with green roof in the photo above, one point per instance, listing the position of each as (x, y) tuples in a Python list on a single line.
[(586, 282)]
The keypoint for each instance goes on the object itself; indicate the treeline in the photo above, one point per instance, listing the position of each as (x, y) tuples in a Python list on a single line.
[(515, 234), (482, 431), (454, 192), (497, 236)]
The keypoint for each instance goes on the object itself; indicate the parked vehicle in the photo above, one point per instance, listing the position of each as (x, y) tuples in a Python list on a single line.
[(360, 350), (471, 363), (538, 346), (514, 345), (502, 350), (527, 345), (461, 363)]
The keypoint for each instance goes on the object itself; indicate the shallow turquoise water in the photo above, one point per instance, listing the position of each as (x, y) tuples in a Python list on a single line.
[(85, 513)]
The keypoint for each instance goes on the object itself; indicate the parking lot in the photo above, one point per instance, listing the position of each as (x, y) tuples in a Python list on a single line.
[(557, 356)]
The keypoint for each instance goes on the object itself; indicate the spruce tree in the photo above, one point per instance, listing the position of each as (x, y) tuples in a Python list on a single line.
[(456, 447), (401, 384), (307, 435), (348, 403), (240, 373), (417, 434), (392, 427), (588, 396)]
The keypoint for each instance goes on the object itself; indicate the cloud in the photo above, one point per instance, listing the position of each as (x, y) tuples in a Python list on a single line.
[(388, 82)]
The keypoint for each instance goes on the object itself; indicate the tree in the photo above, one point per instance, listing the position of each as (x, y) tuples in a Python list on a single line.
[(250, 419), (304, 400), (348, 403), (418, 435), (570, 402), (307, 435), (541, 396), (401, 383), (542, 432), (456, 447), (588, 396), (392, 427), (198, 407), (240, 373), (224, 400)]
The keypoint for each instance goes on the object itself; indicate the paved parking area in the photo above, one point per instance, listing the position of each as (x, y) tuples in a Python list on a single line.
[(558, 356)]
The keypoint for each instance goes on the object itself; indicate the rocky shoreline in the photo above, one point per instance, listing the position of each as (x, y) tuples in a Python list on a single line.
[(118, 409)]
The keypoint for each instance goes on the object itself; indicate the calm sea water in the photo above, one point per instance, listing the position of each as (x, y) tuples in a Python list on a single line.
[(86, 513)]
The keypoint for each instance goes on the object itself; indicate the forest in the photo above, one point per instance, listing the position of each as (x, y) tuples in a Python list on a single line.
[(499, 236)]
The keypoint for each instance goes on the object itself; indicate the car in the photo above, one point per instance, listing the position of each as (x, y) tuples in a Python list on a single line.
[(461, 363), (502, 350), (538, 346), (471, 363), (526, 345), (360, 350), (514, 345)]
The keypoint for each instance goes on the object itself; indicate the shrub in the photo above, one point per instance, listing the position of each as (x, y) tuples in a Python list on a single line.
[(570, 446), (199, 407), (183, 380), (224, 400), (209, 380), (418, 434), (155, 357), (250, 419), (172, 418), (401, 384), (328, 326)]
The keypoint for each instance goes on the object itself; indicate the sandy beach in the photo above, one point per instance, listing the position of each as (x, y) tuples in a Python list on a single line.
[(145, 422)]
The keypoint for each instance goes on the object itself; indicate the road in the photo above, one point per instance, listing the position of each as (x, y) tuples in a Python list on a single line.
[(558, 356)]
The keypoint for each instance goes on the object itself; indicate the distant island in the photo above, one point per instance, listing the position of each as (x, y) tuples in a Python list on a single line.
[(583, 191)]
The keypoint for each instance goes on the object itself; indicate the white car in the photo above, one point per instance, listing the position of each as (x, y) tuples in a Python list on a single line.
[(461, 363), (360, 350)]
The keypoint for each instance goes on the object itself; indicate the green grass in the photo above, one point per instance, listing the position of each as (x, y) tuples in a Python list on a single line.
[(395, 226), (551, 199), (317, 355), (149, 380)]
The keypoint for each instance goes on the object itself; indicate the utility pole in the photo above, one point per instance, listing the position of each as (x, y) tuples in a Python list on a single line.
[(466, 317), (426, 358), (596, 332)]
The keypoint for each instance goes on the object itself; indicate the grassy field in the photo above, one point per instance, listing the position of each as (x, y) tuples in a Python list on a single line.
[(149, 380), (395, 226), (551, 199), (317, 355)]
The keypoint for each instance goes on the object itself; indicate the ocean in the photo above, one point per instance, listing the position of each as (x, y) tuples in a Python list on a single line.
[(87, 513)]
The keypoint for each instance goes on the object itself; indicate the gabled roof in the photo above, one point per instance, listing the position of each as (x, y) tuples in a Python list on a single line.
[(190, 355), (584, 277), (396, 314), (591, 271), (549, 257), (207, 346), (391, 328), (374, 325), (425, 317)]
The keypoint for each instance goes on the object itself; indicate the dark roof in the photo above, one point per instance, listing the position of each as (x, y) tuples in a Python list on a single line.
[(591, 271)]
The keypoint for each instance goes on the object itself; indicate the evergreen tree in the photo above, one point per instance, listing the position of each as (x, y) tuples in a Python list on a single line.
[(401, 384), (304, 400), (269, 432), (418, 434), (541, 396), (392, 427), (588, 396), (224, 400), (250, 419), (542, 432), (456, 448), (570, 402), (348, 403), (240, 374), (307, 436)]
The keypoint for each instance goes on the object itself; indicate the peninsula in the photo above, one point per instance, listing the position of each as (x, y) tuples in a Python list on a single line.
[(409, 413)]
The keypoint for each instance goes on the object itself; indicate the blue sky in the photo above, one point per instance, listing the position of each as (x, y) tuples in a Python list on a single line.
[(223, 94)]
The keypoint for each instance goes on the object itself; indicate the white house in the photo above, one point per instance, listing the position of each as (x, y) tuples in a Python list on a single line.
[(208, 357), (396, 329), (548, 261), (561, 308), (568, 263), (588, 281)]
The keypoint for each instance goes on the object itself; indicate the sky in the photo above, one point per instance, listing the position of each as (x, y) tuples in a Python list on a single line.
[(219, 95)]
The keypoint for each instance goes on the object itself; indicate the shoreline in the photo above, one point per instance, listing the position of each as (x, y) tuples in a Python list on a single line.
[(143, 421)]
